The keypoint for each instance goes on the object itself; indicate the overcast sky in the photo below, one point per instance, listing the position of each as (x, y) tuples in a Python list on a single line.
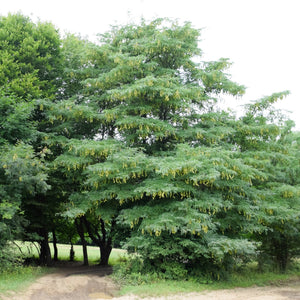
[(261, 37)]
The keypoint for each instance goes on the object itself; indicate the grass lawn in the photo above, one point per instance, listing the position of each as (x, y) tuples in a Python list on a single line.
[(19, 278), (93, 253), (29, 249)]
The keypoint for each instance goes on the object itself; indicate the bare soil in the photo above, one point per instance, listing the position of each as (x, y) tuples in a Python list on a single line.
[(74, 282)]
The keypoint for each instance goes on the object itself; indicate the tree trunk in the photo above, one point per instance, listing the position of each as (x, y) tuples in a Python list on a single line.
[(45, 254), (80, 230), (103, 241), (85, 253), (72, 253), (55, 257), (105, 244), (105, 251), (282, 253)]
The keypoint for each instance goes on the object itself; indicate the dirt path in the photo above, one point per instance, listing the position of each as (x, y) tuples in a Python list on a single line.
[(71, 282), (92, 283), (253, 293)]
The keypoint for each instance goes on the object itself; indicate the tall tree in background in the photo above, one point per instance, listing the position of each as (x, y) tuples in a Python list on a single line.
[(30, 57), (31, 65)]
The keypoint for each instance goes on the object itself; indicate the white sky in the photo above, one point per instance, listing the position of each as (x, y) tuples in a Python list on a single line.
[(261, 37)]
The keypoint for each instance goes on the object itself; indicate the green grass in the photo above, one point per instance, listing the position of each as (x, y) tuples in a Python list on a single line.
[(249, 277), (19, 278), (29, 249), (169, 287), (93, 253)]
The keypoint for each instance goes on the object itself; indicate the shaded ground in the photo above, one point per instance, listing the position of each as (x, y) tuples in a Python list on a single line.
[(86, 283)]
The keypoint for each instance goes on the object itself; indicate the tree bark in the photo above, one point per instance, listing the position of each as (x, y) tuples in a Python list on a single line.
[(103, 241), (282, 253), (80, 230), (55, 257), (72, 252), (45, 254), (105, 251)]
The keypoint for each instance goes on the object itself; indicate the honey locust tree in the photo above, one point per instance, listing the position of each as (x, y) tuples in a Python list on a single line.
[(173, 173), (268, 144), (150, 150)]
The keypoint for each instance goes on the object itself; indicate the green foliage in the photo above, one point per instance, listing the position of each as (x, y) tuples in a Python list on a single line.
[(13, 116), (22, 176), (31, 66), (191, 182), (30, 57), (151, 95), (9, 259), (281, 205), (128, 136), (268, 145), (77, 55)]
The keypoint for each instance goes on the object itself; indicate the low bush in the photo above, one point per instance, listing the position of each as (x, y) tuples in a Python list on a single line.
[(10, 259)]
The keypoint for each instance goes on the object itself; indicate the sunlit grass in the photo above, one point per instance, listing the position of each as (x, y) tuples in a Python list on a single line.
[(19, 278), (31, 250)]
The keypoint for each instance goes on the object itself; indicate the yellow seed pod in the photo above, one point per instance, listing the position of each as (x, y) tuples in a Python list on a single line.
[(205, 228), (157, 233)]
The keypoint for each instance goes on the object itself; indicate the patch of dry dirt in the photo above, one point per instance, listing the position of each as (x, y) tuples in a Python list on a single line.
[(91, 283), (69, 282)]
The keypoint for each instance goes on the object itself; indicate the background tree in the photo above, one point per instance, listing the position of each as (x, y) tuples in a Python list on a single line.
[(30, 57), (31, 65), (22, 176)]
